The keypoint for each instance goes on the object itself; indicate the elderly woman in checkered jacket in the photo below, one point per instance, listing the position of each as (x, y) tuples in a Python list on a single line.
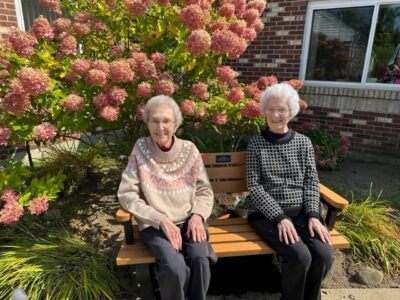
[(285, 208)]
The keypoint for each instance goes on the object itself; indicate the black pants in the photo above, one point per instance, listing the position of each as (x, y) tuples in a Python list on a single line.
[(305, 263), (180, 275)]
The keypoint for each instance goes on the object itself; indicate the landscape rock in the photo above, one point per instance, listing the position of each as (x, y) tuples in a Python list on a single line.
[(369, 276)]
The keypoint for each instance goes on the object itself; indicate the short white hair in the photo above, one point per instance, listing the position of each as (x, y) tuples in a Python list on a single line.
[(284, 92), (163, 100)]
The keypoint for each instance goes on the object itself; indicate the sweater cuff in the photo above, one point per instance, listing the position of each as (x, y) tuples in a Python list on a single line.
[(280, 218), (315, 215)]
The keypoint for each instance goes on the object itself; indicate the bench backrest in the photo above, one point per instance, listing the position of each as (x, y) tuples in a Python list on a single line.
[(227, 171)]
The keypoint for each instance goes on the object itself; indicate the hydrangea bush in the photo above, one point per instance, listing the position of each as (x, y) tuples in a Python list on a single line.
[(101, 60)]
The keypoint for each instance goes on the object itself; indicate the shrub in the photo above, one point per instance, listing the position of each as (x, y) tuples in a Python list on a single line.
[(59, 266), (372, 227), (329, 150)]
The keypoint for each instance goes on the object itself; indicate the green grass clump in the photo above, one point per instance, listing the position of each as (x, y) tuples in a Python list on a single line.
[(59, 266), (373, 230)]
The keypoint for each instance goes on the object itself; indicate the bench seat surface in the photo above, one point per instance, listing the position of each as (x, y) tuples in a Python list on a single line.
[(228, 237)]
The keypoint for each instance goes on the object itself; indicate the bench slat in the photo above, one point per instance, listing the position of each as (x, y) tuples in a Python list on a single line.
[(227, 173), (234, 158), (234, 186)]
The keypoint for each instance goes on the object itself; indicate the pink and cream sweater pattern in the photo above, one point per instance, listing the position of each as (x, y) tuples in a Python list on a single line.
[(156, 184)]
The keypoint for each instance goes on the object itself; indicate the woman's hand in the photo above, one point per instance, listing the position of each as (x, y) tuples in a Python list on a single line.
[(315, 226), (172, 232), (287, 232), (196, 229)]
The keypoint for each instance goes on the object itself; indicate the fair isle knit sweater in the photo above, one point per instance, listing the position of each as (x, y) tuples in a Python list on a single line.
[(281, 176), (173, 183)]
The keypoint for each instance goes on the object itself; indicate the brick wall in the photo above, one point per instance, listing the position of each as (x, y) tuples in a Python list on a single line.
[(277, 49), (371, 118), (7, 16)]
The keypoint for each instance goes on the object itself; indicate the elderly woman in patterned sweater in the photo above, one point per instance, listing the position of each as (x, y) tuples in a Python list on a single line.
[(166, 188), (285, 208)]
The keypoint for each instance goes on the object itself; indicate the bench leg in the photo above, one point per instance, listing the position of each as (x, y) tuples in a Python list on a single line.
[(154, 283), (330, 219), (128, 229)]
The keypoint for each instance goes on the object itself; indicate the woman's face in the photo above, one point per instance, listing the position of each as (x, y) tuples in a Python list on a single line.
[(278, 115), (162, 124)]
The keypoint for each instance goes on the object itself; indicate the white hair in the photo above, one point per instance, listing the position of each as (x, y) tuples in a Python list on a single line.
[(163, 100), (283, 91)]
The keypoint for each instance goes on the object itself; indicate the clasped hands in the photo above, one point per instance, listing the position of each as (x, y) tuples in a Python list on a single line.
[(288, 234), (195, 229)]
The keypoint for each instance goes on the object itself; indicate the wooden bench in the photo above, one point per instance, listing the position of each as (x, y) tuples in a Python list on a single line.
[(229, 236)]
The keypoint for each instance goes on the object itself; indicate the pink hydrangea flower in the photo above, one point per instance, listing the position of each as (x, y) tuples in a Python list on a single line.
[(198, 43), (144, 90), (164, 3), (297, 84), (199, 90), (41, 29), (147, 69), (251, 110), (53, 5), (38, 205), (250, 16), (109, 113), (238, 27), (5, 134), (238, 49), (240, 6), (252, 90), (61, 25), (137, 58), (259, 5), (220, 118), (258, 25), (218, 25), (100, 101), (249, 34), (83, 17), (96, 78), (100, 27), (81, 29), (33, 81), (139, 111), (68, 45), (194, 17), (101, 65), (111, 3), (73, 102), (235, 95), (22, 42), (11, 212), (159, 60), (164, 87), (265, 81), (116, 95), (81, 66), (137, 8), (120, 71), (116, 51), (9, 195), (187, 107), (226, 74), (44, 132), (16, 103), (226, 10), (72, 77)]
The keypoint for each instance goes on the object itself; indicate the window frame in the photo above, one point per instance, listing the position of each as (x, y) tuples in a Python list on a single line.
[(332, 4)]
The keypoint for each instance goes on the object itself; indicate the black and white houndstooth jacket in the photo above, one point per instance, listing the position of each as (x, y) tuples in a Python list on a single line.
[(282, 178)]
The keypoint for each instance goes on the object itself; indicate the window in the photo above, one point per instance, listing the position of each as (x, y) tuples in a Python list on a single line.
[(352, 42), (29, 10)]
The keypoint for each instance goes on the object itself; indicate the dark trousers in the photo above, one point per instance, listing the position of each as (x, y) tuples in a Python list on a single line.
[(180, 275), (304, 264)]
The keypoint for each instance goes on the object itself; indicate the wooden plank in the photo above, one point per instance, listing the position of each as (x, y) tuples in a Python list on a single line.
[(232, 158), (235, 186), (229, 229), (234, 237), (226, 173), (230, 221), (332, 198)]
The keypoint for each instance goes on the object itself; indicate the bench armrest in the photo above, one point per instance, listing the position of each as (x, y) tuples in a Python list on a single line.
[(126, 219), (334, 202), (122, 215)]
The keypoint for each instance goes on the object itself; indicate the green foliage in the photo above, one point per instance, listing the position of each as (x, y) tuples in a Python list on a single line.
[(372, 227), (15, 175), (59, 266)]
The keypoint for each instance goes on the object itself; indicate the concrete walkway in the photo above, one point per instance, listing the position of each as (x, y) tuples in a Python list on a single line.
[(361, 294)]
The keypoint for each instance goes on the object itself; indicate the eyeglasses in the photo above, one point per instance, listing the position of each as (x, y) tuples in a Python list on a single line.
[(164, 123), (279, 111)]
